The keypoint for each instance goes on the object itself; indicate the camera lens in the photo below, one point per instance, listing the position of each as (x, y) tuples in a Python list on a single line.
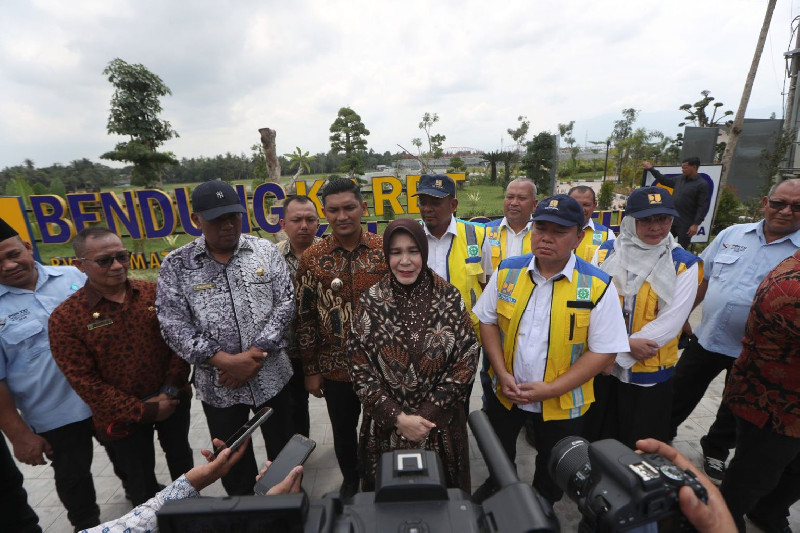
[(569, 465)]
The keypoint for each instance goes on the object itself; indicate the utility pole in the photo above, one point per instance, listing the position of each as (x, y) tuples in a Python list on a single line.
[(790, 117), (738, 121)]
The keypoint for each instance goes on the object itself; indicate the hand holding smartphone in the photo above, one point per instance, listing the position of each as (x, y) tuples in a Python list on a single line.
[(294, 453), (236, 440)]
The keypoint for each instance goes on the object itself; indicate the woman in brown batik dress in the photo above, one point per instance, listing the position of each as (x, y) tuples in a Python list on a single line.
[(414, 355)]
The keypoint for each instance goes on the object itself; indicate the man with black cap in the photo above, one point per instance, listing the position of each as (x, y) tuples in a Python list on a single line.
[(458, 250), (549, 323), (657, 280), (40, 413), (224, 302)]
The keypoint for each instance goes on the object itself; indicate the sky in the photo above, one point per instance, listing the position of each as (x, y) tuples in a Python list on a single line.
[(235, 67)]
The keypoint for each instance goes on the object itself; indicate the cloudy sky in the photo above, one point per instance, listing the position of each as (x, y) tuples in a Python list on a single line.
[(234, 67)]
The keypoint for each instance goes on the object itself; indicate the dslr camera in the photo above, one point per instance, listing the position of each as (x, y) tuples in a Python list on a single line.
[(617, 489)]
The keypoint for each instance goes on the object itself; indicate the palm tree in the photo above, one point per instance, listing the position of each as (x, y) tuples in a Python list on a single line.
[(508, 159), (492, 158), (300, 160)]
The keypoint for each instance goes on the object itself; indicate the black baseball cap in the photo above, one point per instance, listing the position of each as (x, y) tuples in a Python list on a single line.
[(215, 198), (562, 209), (438, 185), (6, 231), (649, 201)]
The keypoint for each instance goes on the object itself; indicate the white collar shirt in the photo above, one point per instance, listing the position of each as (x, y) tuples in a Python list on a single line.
[(514, 240), (438, 250), (607, 332)]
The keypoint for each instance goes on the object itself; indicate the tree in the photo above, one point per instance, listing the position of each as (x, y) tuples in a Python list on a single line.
[(434, 142), (300, 160), (508, 159), (565, 132), (135, 107), (773, 155), (698, 116), (348, 134), (492, 158), (606, 196), (623, 129), (457, 164), (539, 159), (519, 133)]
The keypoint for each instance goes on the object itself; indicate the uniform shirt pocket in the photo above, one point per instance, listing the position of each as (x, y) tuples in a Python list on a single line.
[(24, 336)]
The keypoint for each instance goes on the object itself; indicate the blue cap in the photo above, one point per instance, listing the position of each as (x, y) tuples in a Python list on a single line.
[(439, 185), (649, 201), (562, 209)]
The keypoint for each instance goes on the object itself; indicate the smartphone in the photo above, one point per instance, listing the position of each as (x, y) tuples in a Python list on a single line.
[(294, 453), (236, 440)]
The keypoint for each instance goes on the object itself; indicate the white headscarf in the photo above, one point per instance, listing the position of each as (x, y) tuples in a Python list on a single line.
[(633, 262)]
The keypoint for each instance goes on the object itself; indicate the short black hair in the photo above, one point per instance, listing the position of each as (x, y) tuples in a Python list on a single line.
[(582, 189), (299, 198), (340, 185), (692, 161), (79, 243)]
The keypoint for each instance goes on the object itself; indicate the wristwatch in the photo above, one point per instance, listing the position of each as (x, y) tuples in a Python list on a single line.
[(170, 391)]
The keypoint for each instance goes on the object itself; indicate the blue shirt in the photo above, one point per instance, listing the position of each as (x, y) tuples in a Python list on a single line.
[(736, 263), (41, 392)]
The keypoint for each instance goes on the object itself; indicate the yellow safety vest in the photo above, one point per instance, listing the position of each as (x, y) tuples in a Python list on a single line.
[(591, 241), (570, 310), (658, 368), (497, 240), (464, 263)]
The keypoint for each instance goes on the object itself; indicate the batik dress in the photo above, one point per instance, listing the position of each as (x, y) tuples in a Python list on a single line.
[(413, 350)]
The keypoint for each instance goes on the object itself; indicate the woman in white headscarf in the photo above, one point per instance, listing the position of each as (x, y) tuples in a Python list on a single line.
[(657, 282)]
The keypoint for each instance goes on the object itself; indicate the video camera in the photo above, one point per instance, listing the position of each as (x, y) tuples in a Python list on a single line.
[(410, 496), (617, 489)]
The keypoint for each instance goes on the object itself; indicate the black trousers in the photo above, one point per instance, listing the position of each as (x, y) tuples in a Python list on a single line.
[(764, 474), (628, 412), (507, 423), (73, 450), (225, 421), (344, 408), (696, 369), (135, 457), (300, 420), (15, 512), (678, 230)]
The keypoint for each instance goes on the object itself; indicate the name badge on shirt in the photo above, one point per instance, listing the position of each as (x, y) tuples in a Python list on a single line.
[(100, 324), (204, 286)]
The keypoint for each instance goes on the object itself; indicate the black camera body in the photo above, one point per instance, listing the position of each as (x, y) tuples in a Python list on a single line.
[(410, 496), (617, 489)]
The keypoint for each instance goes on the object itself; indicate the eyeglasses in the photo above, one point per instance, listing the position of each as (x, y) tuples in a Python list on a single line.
[(777, 205), (108, 260), (656, 220)]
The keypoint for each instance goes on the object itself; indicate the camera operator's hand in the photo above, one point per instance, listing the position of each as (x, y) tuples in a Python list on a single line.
[(713, 517), (289, 485), (204, 475), (413, 427)]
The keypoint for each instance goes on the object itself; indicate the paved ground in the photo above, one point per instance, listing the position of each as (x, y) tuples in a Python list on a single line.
[(321, 473)]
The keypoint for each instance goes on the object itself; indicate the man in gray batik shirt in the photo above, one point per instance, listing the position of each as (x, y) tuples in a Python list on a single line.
[(224, 302)]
